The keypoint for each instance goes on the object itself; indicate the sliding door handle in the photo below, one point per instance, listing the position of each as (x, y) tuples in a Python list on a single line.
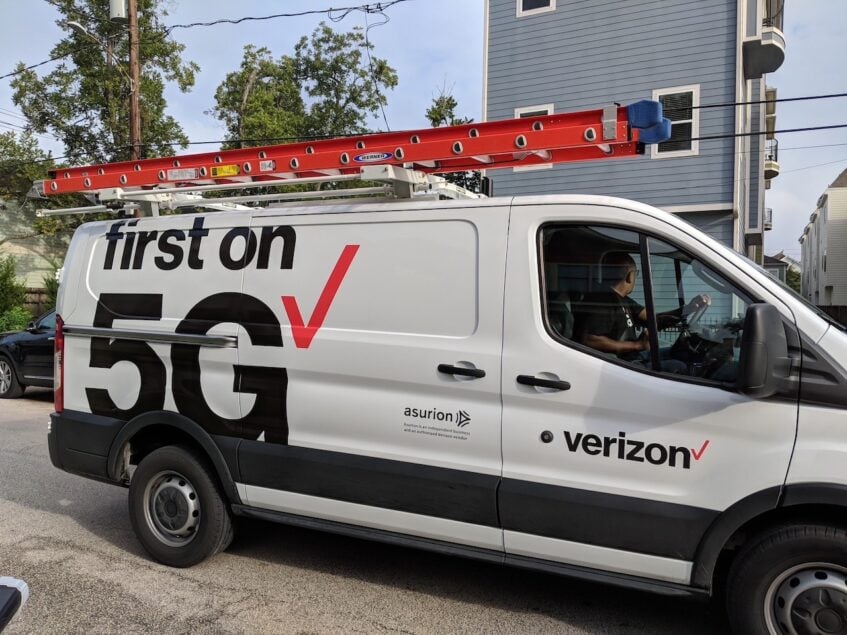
[(449, 369), (539, 382)]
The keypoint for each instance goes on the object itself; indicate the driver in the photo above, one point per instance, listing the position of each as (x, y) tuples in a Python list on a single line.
[(608, 320)]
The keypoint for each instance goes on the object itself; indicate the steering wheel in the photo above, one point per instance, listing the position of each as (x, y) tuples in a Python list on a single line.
[(695, 316)]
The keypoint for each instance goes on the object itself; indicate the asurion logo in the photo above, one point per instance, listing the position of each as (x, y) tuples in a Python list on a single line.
[(625, 449), (460, 417)]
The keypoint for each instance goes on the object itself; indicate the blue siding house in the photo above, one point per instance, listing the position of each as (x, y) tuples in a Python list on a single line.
[(554, 56)]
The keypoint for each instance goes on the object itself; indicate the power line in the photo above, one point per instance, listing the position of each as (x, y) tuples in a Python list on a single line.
[(767, 101), (733, 135), (334, 14), (470, 166), (368, 27), (342, 12), (817, 165)]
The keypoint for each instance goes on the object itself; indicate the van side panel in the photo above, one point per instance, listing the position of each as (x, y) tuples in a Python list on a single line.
[(372, 306)]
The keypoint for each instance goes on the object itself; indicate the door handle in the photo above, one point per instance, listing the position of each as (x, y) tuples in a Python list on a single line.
[(555, 384), (449, 369)]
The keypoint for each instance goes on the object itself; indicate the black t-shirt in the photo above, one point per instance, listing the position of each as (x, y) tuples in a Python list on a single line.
[(609, 315)]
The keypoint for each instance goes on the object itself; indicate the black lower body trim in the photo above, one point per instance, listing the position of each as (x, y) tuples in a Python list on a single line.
[(79, 442), (409, 487), (606, 520), (475, 553)]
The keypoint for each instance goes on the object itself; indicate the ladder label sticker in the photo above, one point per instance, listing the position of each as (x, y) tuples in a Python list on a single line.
[(267, 166), (371, 157), (219, 171), (183, 174)]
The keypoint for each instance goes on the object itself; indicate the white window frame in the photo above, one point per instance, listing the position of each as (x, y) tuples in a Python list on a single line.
[(694, 89), (520, 13), (521, 111)]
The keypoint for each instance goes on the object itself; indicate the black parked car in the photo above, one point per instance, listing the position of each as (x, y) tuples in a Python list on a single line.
[(26, 358)]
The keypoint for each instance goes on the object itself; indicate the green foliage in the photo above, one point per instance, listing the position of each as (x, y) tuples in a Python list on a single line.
[(85, 100), (21, 163), (325, 88), (15, 319), (51, 287), (12, 292), (342, 85), (792, 279), (442, 112), (261, 100)]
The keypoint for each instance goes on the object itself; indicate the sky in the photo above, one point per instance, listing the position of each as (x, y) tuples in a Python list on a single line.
[(437, 44)]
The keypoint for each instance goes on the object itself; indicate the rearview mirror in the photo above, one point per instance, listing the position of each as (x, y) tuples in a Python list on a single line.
[(764, 365)]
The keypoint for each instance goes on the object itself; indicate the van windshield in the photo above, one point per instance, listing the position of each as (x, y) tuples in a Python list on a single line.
[(822, 314)]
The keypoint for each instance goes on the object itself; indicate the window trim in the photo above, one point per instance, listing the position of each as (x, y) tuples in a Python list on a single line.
[(521, 13), (644, 236), (522, 110), (694, 89)]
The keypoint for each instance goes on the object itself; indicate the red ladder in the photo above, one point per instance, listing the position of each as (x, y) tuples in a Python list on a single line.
[(611, 132)]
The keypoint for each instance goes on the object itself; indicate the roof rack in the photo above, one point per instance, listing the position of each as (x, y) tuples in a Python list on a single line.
[(404, 163)]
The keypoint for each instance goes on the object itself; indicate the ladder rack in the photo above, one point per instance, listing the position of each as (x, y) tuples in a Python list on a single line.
[(405, 161)]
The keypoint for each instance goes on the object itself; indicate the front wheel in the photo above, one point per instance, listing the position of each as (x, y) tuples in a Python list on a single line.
[(176, 508), (10, 387), (791, 580)]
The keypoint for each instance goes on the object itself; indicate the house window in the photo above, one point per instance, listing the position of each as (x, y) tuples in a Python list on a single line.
[(680, 105), (534, 111), (532, 7)]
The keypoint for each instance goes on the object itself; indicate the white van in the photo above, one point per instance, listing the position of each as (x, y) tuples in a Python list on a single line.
[(576, 384)]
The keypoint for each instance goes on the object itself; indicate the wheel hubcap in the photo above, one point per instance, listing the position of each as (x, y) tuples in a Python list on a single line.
[(5, 377), (172, 508), (810, 599)]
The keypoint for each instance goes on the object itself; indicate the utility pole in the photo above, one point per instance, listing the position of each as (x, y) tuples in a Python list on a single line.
[(135, 84)]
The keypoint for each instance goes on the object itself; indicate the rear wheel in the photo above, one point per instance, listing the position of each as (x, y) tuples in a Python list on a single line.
[(176, 507), (790, 581), (10, 387)]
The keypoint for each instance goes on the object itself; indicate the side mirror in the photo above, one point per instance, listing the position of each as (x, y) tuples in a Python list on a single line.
[(30, 326), (764, 365)]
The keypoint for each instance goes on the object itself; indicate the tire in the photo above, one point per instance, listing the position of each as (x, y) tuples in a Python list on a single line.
[(10, 387), (177, 509), (791, 579)]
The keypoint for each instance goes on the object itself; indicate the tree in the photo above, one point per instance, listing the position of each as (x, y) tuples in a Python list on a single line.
[(328, 87), (792, 278), (343, 82), (22, 162), (84, 100), (442, 112), (261, 100)]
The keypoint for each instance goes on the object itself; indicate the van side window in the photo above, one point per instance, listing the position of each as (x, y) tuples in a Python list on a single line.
[(595, 281)]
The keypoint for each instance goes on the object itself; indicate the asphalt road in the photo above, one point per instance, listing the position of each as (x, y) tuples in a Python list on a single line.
[(71, 540)]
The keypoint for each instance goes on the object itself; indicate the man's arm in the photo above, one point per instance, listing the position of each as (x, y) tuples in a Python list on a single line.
[(608, 345), (673, 316)]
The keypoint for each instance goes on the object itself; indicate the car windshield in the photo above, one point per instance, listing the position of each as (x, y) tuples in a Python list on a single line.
[(48, 321)]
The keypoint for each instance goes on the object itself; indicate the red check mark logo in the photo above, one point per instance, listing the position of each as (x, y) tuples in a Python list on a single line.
[(303, 334), (698, 454)]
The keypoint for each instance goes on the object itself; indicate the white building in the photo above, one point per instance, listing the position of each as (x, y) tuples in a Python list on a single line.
[(823, 247)]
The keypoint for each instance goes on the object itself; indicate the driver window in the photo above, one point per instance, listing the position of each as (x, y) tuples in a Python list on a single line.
[(594, 297), (700, 314)]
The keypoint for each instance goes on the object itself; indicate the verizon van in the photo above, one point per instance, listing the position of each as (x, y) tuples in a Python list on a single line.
[(574, 384)]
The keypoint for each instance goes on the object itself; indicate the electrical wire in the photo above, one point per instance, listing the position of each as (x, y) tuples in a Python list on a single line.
[(374, 84), (343, 12), (766, 101), (334, 14)]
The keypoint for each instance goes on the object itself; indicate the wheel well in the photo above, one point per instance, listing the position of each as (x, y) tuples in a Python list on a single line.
[(154, 437), (831, 515)]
